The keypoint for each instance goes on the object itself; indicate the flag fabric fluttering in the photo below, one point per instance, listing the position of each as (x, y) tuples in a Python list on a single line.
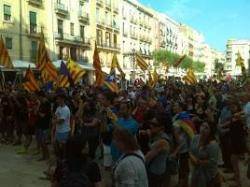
[(110, 82), (179, 61), (76, 72), (30, 83), (44, 64), (4, 55), (240, 62), (141, 62), (156, 77), (190, 77), (115, 64), (2, 81), (98, 69), (151, 82), (64, 77)]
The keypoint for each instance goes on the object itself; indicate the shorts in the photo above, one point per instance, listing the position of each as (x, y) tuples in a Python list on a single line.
[(42, 135), (62, 137), (184, 165)]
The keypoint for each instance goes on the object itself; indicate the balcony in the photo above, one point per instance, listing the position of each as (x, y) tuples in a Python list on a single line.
[(116, 27), (34, 31), (61, 9), (116, 9), (108, 6), (64, 38), (133, 35), (83, 17), (82, 2), (37, 3), (109, 47), (99, 3)]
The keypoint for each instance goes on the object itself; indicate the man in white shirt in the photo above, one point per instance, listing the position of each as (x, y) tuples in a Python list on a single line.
[(61, 123)]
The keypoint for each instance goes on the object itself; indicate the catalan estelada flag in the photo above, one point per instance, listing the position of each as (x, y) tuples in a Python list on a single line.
[(190, 78), (111, 84), (44, 64), (76, 72), (4, 55), (179, 61), (141, 62), (30, 83), (98, 69), (64, 77), (156, 77)]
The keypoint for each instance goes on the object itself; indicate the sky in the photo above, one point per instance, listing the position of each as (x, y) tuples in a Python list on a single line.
[(217, 20)]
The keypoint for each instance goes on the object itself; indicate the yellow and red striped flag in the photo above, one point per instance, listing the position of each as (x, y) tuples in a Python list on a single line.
[(240, 62), (141, 62), (4, 55), (179, 61), (151, 83), (115, 64), (190, 78), (30, 83), (98, 69), (44, 64), (76, 72)]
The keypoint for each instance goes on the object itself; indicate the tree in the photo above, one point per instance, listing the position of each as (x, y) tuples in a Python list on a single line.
[(199, 66)]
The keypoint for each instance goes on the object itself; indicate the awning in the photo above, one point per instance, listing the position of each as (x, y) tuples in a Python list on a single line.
[(23, 64), (89, 67)]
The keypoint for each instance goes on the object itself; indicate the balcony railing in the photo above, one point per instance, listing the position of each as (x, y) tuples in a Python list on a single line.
[(35, 2), (108, 5), (34, 30), (99, 2), (67, 38), (83, 17), (116, 9), (61, 9), (109, 46)]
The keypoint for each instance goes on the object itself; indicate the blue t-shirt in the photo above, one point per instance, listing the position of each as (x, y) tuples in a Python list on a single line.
[(132, 126)]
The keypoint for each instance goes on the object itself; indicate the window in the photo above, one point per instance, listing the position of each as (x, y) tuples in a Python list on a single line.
[(97, 15), (99, 37), (107, 39), (33, 50), (82, 32), (7, 12), (33, 25), (60, 27), (8, 43), (72, 29)]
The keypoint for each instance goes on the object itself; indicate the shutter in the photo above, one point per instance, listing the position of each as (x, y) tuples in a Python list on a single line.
[(7, 10), (33, 18)]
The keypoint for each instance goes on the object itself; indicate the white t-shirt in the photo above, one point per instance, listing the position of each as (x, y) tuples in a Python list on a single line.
[(131, 172), (247, 114), (63, 112)]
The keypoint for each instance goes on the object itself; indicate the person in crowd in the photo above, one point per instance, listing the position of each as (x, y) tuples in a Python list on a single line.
[(156, 157), (43, 125), (126, 121), (204, 154), (237, 135), (181, 150), (61, 125), (76, 169), (129, 170)]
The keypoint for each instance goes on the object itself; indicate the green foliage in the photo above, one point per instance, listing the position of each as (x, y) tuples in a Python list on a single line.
[(164, 56), (218, 66)]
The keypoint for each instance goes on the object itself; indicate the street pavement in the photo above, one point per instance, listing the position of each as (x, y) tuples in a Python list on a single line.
[(26, 171)]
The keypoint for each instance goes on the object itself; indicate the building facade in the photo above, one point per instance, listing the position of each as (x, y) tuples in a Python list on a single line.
[(233, 48), (137, 34)]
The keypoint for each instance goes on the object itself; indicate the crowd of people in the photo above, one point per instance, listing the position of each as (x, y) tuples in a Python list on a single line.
[(142, 136)]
